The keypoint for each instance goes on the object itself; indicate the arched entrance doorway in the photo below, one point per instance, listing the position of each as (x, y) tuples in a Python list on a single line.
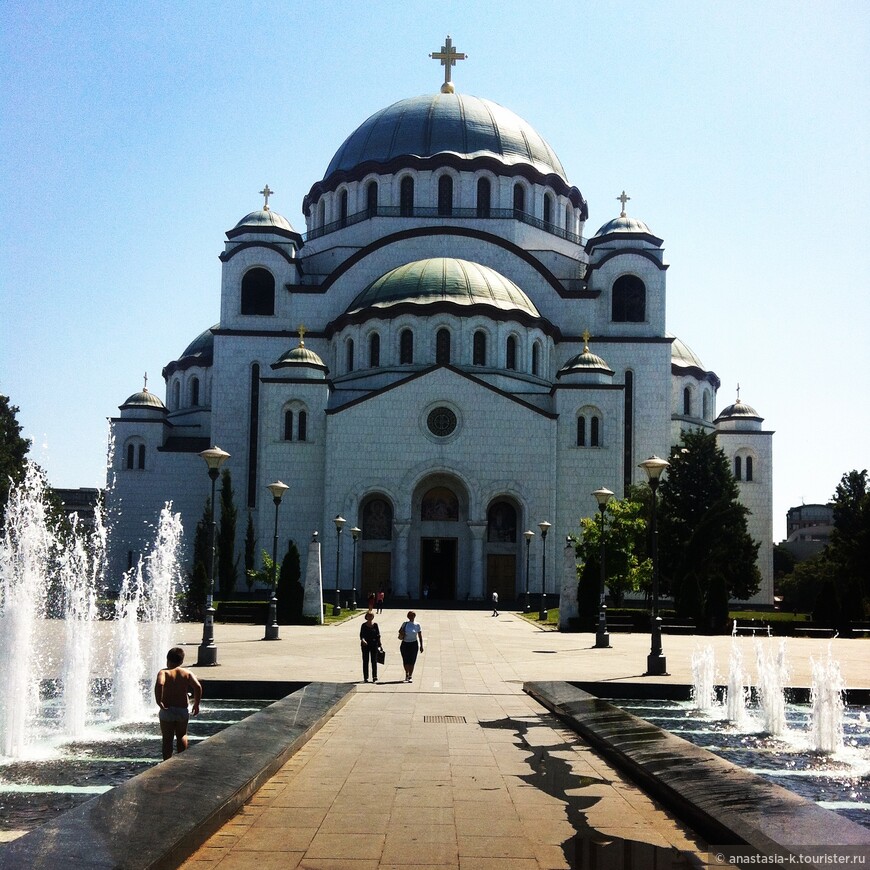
[(440, 539), (376, 520), (502, 518)]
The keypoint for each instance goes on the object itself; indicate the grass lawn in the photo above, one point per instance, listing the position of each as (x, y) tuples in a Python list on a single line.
[(552, 620)]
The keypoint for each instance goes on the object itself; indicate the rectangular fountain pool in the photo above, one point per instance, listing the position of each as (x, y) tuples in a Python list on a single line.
[(56, 778), (839, 781)]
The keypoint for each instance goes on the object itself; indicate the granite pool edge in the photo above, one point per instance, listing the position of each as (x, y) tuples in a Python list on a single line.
[(719, 800), (157, 819)]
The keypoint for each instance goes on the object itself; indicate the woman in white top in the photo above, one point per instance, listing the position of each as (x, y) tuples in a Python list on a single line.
[(411, 633)]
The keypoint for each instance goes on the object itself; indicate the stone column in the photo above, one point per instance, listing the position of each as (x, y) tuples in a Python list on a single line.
[(312, 600), (568, 606), (400, 554), (478, 545)]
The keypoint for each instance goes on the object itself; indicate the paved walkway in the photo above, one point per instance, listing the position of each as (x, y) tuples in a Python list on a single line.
[(459, 769)]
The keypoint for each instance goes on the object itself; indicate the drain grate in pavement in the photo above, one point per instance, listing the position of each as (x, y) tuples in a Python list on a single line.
[(449, 720)]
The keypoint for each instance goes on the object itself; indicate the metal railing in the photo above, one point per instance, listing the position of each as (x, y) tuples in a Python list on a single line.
[(396, 211)]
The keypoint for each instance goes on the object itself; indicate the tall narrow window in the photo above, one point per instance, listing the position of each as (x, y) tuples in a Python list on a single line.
[(342, 206), (349, 355), (406, 197), (738, 470), (519, 198), (569, 219), (548, 208), (445, 196), (141, 457), (706, 401), (372, 198), (176, 395), (749, 468), (303, 425), (288, 425), (374, 350), (484, 196), (628, 433), (536, 358), (511, 353), (628, 304), (595, 432), (194, 392), (687, 402), (258, 292), (479, 348), (253, 435), (406, 347), (131, 456), (442, 347), (321, 213), (581, 431)]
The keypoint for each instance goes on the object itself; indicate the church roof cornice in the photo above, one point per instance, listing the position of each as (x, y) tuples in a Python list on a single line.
[(226, 256), (618, 252)]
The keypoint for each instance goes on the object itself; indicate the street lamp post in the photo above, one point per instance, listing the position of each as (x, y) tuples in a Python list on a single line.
[(542, 613), (207, 653), (528, 535), (602, 637), (354, 533), (277, 489), (339, 525), (656, 663)]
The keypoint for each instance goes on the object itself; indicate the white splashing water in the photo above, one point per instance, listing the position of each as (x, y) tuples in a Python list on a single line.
[(772, 679), (704, 678), (128, 702), (736, 697), (826, 697)]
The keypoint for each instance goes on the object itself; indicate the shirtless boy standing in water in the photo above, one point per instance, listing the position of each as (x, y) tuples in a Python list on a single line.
[(174, 684)]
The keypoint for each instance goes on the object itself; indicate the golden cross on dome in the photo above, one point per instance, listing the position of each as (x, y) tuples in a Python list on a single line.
[(448, 57), (586, 336), (301, 330), (623, 198), (267, 193)]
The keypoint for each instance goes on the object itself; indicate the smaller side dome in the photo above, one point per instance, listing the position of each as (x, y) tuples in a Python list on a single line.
[(265, 218), (623, 224), (144, 400), (200, 352), (624, 228), (302, 358), (739, 411), (586, 363)]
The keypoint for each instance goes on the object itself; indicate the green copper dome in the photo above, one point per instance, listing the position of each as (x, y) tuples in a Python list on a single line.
[(435, 124), (444, 279)]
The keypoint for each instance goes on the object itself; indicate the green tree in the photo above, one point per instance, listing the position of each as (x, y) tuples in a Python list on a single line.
[(626, 565), (250, 550), (13, 451), (706, 555), (228, 563), (197, 575), (849, 546)]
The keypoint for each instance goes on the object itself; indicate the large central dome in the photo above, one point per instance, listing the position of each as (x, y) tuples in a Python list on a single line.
[(433, 124)]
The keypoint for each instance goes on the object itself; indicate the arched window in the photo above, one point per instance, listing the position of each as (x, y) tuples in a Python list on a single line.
[(440, 503), (628, 304), (194, 392), (258, 292), (519, 198), (484, 196), (581, 431), (372, 198), (738, 468), (321, 213), (288, 425), (374, 350), (479, 348), (749, 468), (377, 520), (501, 523), (406, 197), (594, 432), (687, 402), (349, 355), (342, 207), (511, 353), (442, 347), (569, 221), (536, 358), (445, 196), (406, 347), (303, 426), (131, 456), (706, 401), (141, 457), (176, 395), (548, 208)]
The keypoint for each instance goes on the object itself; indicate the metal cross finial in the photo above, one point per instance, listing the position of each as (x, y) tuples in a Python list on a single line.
[(623, 198), (738, 392), (448, 57), (586, 336), (301, 330), (267, 193), (145, 385)]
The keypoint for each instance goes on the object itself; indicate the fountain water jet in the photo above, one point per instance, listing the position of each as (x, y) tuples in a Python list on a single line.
[(129, 672), (772, 680), (826, 698), (704, 678)]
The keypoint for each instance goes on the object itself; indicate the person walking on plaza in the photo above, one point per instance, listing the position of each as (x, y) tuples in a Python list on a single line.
[(371, 602), (411, 633), (495, 603), (370, 643), (171, 690), (380, 601)]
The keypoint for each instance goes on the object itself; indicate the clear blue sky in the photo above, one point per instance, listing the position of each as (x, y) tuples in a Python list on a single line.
[(133, 135)]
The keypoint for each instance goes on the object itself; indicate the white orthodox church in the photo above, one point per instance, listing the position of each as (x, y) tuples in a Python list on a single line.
[(446, 358)]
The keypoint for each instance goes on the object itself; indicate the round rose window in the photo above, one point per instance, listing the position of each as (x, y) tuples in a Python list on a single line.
[(441, 422)]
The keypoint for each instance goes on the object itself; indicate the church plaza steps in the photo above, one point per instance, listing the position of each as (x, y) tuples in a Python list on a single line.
[(460, 769)]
